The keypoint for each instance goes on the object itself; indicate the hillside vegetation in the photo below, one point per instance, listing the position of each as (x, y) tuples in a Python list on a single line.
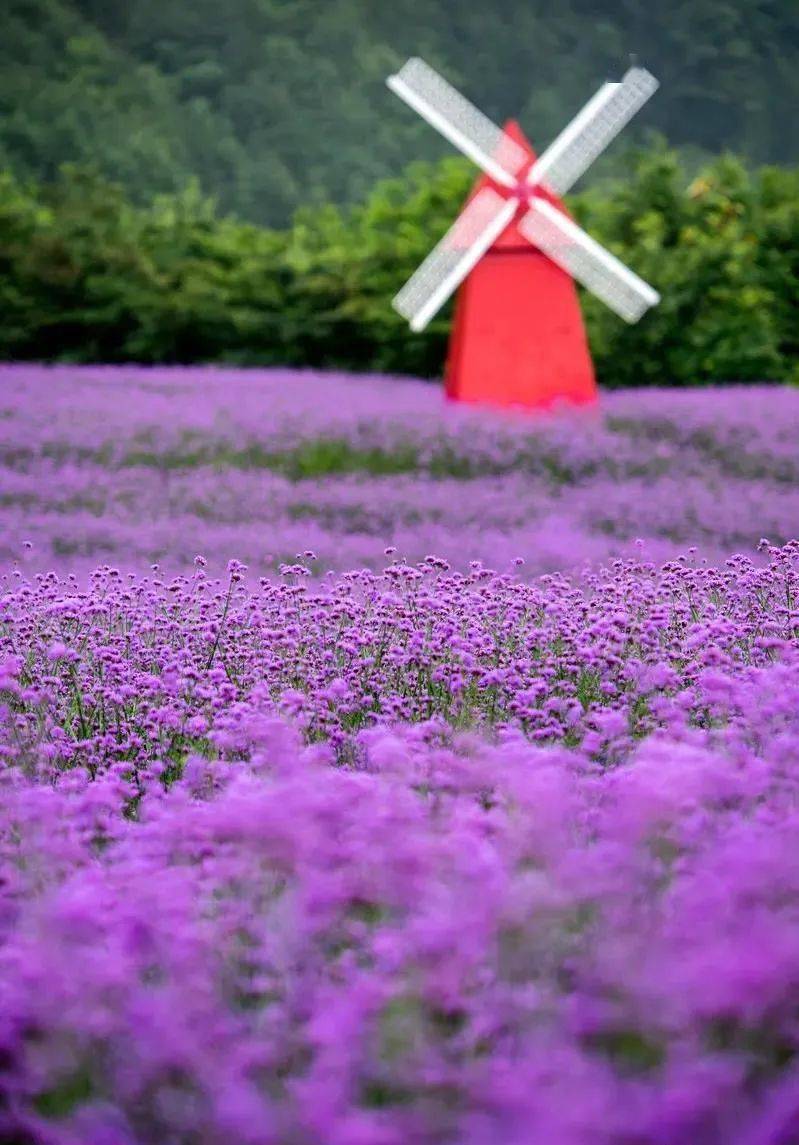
[(274, 103)]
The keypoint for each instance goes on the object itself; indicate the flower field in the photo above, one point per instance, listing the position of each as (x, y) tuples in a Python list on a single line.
[(137, 466), (439, 783)]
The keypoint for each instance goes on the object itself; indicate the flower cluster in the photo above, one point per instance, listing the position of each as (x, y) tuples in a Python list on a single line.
[(156, 666), (409, 855), (377, 835), (131, 466)]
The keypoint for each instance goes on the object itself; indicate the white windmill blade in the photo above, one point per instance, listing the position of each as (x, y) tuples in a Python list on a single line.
[(590, 132), (482, 221), (437, 101), (596, 268)]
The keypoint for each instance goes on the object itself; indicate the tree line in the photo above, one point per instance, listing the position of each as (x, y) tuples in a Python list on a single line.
[(88, 274)]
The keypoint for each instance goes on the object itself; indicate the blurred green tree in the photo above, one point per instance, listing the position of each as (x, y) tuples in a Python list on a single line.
[(87, 275)]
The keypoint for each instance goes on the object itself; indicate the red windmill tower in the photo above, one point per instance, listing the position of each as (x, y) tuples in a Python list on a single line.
[(518, 337)]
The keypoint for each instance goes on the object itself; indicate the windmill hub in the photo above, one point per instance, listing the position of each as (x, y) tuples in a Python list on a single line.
[(524, 191)]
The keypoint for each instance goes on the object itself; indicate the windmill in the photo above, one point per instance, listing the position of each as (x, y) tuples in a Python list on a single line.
[(518, 336)]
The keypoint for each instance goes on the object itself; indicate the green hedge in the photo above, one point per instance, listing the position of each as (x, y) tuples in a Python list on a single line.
[(86, 276)]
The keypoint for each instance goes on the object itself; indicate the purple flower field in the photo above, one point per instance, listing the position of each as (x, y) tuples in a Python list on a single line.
[(135, 466), (382, 847)]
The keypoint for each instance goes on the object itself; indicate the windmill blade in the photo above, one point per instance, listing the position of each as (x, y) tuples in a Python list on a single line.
[(596, 268), (458, 120), (590, 132), (481, 222)]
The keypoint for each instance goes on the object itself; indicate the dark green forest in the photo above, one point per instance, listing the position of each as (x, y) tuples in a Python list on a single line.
[(274, 104)]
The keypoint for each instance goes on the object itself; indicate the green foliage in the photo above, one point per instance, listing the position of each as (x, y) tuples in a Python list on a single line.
[(270, 104), (723, 254), (86, 275)]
